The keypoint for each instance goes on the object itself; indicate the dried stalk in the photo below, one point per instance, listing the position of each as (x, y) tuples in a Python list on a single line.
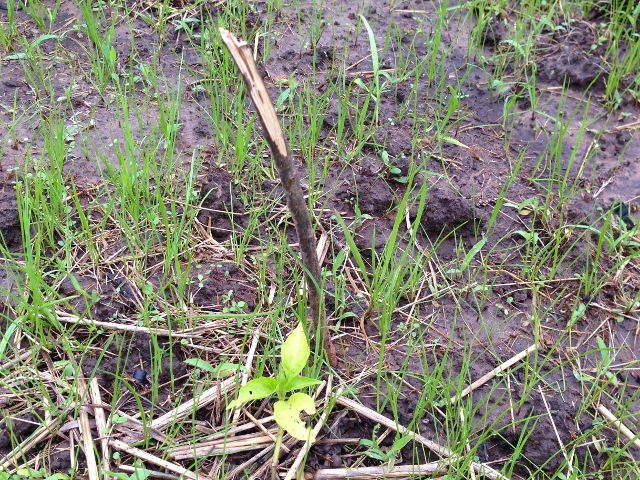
[(400, 471), (86, 437), (290, 182), (147, 457), (618, 424), (101, 426), (478, 468), (205, 398), (496, 371)]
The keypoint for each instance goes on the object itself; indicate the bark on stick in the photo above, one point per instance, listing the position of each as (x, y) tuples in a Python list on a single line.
[(243, 58)]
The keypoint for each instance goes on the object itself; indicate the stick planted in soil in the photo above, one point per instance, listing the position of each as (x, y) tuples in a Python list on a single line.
[(290, 183)]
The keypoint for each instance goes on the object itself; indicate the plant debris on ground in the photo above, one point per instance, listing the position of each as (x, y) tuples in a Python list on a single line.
[(472, 171)]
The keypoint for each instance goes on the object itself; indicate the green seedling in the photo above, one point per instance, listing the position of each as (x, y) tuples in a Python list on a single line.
[(529, 206), (607, 360), (286, 94), (392, 169), (528, 236), (468, 257), (389, 456), (376, 89), (294, 355), (23, 473), (225, 369)]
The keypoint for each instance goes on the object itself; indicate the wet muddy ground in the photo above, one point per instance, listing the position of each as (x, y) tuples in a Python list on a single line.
[(467, 178)]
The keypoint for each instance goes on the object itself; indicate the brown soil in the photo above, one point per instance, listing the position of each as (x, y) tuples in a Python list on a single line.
[(466, 182)]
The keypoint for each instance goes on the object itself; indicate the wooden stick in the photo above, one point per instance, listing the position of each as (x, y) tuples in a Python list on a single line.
[(623, 428), (403, 471), (440, 450), (241, 55), (147, 457), (485, 378)]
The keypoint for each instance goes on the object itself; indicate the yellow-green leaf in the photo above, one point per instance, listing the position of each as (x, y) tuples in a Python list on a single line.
[(287, 414), (295, 352)]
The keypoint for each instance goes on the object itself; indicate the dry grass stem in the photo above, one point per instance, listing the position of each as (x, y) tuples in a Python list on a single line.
[(606, 413), (147, 457), (208, 396), (485, 378), (439, 449), (85, 435), (247, 373), (263, 454), (101, 424), (241, 440), (400, 471), (134, 430), (261, 427), (13, 363), (222, 448), (152, 473), (42, 433), (467, 447), (553, 424), (73, 319), (241, 428)]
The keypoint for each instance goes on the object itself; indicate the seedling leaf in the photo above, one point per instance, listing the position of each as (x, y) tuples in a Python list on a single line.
[(399, 444), (118, 419), (298, 383), (455, 142), (295, 352), (287, 414), (225, 369), (469, 256), (201, 364), (372, 45), (604, 351), (528, 236), (140, 474), (577, 313), (254, 390)]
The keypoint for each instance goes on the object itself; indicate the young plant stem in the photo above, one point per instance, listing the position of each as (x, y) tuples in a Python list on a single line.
[(276, 454), (290, 183)]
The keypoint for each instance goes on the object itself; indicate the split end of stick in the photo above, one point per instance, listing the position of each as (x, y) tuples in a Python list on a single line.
[(230, 39)]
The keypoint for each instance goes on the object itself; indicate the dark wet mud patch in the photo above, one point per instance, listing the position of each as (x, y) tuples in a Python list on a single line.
[(220, 208), (223, 287), (124, 353)]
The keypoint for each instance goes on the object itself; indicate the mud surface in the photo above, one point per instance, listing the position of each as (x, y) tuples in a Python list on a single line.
[(466, 179)]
